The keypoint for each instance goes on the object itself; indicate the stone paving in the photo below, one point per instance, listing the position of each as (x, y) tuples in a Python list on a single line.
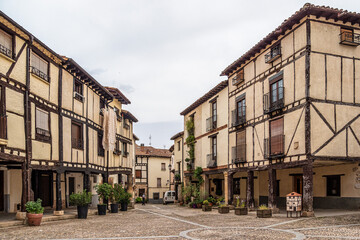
[(173, 222)]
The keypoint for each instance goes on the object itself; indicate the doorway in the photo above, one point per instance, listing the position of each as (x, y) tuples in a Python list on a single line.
[(2, 190), (298, 184), (141, 192), (42, 185), (71, 187)]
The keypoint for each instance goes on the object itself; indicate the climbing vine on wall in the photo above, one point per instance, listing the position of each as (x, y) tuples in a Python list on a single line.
[(190, 141)]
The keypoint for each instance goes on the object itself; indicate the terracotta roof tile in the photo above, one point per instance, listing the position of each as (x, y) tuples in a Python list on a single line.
[(151, 151)]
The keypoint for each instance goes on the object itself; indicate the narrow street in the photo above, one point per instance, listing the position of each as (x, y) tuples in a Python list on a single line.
[(173, 222)]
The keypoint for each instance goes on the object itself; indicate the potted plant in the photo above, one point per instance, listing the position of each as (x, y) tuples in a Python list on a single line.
[(206, 206), (115, 198), (263, 212), (198, 203), (124, 199), (223, 208), (34, 212), (104, 192), (240, 209), (82, 201), (138, 200), (211, 200)]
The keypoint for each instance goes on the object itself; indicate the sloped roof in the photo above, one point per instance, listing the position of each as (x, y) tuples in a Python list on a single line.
[(152, 152), (118, 95), (206, 97), (307, 9), (179, 134), (129, 115)]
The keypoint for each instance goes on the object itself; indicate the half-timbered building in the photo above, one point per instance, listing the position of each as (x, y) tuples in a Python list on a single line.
[(51, 124)]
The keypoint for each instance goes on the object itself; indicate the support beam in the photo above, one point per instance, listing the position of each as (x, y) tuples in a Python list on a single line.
[(250, 190), (58, 192), (230, 187), (272, 190), (226, 187), (87, 182), (308, 210)]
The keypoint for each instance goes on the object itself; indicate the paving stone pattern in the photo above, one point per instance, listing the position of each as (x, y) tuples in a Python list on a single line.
[(173, 222)]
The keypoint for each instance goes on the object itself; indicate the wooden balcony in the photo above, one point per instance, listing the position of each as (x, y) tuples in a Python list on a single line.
[(211, 123), (274, 147), (238, 154)]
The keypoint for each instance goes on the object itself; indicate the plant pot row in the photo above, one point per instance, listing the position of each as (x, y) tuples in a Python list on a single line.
[(114, 208), (261, 213)]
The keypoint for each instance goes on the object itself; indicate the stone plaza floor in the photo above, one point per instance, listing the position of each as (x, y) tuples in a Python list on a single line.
[(174, 222)]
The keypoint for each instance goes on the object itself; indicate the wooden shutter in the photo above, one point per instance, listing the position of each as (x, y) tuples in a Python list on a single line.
[(138, 173), (277, 136), (159, 182), (241, 145)]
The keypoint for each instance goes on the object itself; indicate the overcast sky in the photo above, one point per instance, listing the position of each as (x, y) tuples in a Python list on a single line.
[(162, 54)]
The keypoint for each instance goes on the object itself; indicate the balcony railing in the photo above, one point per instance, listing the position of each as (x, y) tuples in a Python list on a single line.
[(211, 123), (238, 119), (238, 153), (349, 38), (3, 127), (274, 147), (39, 73), (76, 143), (190, 166), (211, 160), (274, 54), (239, 78), (274, 100), (4, 50)]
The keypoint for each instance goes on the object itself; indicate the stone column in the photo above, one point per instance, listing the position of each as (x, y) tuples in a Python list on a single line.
[(272, 190), (308, 210), (250, 190), (226, 187)]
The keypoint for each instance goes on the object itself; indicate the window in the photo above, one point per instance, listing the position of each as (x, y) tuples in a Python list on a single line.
[(274, 100), (101, 150), (125, 152), (277, 137), (214, 146), (240, 111), (178, 145), (76, 135), (239, 78), (333, 186), (138, 173), (42, 122), (117, 150), (156, 195), (163, 167), (78, 90), (3, 117), (276, 92), (214, 113), (211, 158), (6, 44), (348, 37), (118, 116), (236, 186), (159, 182), (274, 54), (39, 67), (239, 151)]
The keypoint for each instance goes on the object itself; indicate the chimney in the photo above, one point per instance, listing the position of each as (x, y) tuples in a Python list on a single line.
[(142, 146)]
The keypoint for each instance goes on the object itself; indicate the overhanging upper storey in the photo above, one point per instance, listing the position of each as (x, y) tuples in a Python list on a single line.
[(308, 9), (74, 68), (118, 95)]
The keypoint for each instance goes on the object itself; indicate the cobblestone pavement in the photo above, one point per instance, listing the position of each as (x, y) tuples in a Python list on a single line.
[(173, 222)]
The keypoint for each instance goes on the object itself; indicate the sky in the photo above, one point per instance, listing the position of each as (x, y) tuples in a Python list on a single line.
[(162, 54)]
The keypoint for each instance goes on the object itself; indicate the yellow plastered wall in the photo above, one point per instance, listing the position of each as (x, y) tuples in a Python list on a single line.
[(19, 71), (15, 188)]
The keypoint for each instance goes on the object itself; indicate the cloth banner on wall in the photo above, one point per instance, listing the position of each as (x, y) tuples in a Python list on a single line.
[(109, 127)]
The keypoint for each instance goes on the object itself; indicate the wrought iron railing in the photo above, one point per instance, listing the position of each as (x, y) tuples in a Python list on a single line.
[(76, 143), (3, 127), (274, 147), (274, 54), (211, 160), (239, 78), (78, 96), (211, 123), (350, 38), (238, 118), (39, 73), (274, 100), (238, 153), (4, 50)]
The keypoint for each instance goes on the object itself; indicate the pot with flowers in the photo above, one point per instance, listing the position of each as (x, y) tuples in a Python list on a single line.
[(240, 208), (206, 206), (34, 212), (104, 191), (223, 208), (263, 212)]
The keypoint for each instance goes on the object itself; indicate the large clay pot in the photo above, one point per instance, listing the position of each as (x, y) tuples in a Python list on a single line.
[(101, 209), (82, 211), (114, 207), (34, 219)]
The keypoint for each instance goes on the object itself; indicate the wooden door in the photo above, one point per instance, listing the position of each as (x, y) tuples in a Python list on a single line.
[(2, 190), (45, 189), (277, 136), (298, 184)]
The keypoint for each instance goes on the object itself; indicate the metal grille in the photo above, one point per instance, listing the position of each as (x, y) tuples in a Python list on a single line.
[(211, 160), (274, 54), (4, 50), (211, 123), (238, 118), (39, 73), (271, 103), (238, 154)]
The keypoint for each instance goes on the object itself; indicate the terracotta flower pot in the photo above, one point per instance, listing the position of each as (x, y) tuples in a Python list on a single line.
[(34, 219)]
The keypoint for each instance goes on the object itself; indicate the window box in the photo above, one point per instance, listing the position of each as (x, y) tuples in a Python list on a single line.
[(274, 54), (79, 97)]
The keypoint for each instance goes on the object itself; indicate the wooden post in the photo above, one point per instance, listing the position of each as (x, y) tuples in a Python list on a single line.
[(308, 210), (105, 180), (87, 182), (58, 192), (272, 190), (230, 187), (250, 190)]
